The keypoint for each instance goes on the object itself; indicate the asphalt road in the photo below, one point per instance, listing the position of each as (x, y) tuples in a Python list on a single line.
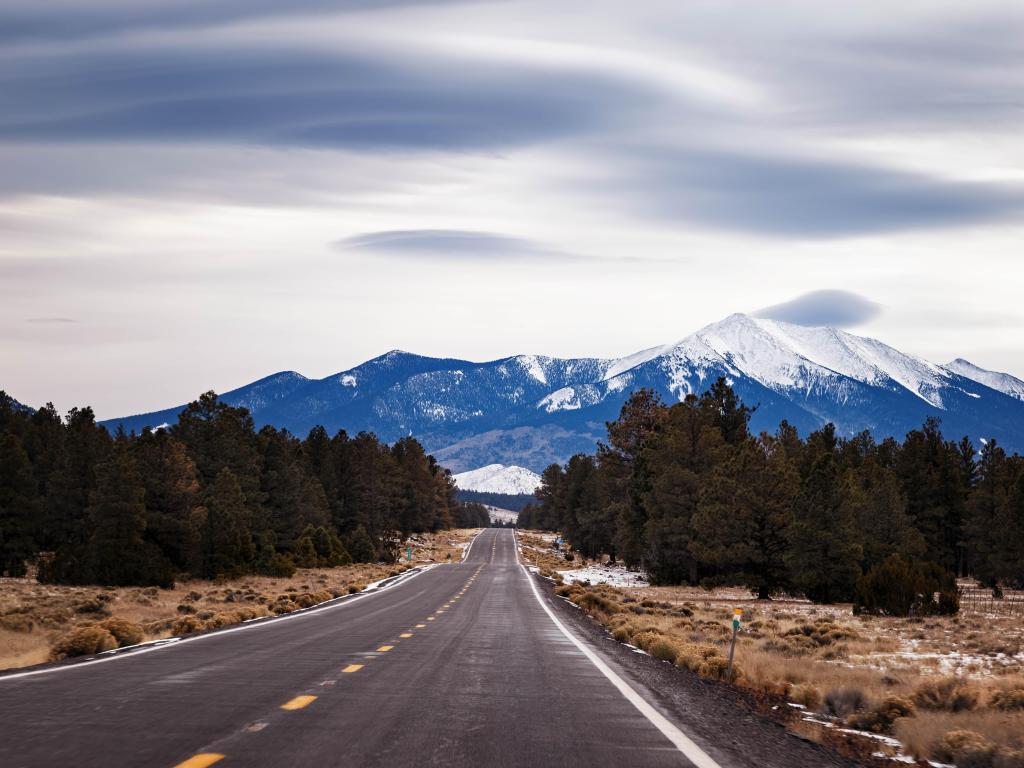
[(468, 664)]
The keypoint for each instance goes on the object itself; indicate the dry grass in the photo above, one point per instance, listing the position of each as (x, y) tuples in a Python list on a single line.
[(538, 548), (919, 679), (35, 619)]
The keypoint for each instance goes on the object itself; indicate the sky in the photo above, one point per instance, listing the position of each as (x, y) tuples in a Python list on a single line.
[(198, 193)]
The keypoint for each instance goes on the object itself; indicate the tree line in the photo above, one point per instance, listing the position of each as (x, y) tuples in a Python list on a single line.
[(689, 494), (208, 497)]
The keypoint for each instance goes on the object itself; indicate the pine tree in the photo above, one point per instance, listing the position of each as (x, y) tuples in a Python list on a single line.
[(676, 461), (360, 547), (626, 476), (118, 553), (744, 515), (826, 547), (228, 546), (173, 498), (20, 507)]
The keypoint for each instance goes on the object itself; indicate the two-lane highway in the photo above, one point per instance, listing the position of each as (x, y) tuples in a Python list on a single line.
[(464, 664)]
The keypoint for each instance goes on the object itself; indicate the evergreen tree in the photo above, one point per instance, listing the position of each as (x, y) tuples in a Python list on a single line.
[(360, 547), (744, 515), (228, 548), (20, 507), (118, 553), (677, 460), (826, 548), (622, 463), (173, 498)]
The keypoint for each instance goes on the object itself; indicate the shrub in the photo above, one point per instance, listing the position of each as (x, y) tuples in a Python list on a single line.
[(949, 693), (843, 702), (591, 601), (881, 718), (187, 625), (123, 631), (186, 608), (97, 606), (905, 587), (621, 634), (83, 641), (664, 649), (353, 588), (966, 749), (16, 622), (805, 694), (1009, 699)]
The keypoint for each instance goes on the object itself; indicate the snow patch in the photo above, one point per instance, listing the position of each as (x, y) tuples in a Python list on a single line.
[(616, 576)]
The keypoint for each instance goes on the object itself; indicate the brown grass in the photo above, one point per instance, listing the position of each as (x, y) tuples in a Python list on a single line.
[(35, 618)]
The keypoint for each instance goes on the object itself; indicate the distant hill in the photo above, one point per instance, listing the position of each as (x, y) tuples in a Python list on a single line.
[(498, 478), (531, 410)]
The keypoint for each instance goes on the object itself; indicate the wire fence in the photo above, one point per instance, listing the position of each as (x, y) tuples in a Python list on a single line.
[(975, 598)]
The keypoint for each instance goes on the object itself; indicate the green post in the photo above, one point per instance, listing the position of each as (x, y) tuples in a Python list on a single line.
[(408, 553), (737, 614)]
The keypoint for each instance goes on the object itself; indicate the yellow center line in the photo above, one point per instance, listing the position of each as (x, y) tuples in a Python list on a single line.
[(406, 634), (352, 668), (421, 626), (298, 702), (384, 648), (430, 618), (201, 760)]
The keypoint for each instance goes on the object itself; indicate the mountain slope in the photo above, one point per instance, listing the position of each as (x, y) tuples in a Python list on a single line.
[(530, 410), (1001, 382), (499, 478)]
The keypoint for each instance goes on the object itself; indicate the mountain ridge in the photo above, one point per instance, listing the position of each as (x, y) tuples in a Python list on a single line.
[(530, 410)]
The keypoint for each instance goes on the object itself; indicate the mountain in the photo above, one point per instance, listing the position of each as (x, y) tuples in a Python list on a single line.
[(1001, 382), (498, 478), (14, 404), (531, 410)]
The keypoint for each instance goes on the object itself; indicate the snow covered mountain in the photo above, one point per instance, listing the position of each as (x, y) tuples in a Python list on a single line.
[(498, 478), (1001, 382), (529, 410)]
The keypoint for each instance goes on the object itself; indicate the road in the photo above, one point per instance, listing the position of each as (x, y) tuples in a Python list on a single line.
[(467, 664)]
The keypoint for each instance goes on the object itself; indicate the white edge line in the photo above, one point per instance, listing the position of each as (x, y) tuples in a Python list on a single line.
[(680, 740), (465, 552), (177, 642)]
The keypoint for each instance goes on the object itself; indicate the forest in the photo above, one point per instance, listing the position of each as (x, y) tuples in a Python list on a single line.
[(208, 497), (686, 492)]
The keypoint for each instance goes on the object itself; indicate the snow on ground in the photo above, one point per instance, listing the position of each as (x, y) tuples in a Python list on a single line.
[(616, 576)]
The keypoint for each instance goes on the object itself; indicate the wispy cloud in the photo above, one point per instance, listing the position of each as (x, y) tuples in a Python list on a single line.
[(449, 243)]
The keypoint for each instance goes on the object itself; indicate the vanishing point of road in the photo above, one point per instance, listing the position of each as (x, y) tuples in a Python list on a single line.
[(465, 664)]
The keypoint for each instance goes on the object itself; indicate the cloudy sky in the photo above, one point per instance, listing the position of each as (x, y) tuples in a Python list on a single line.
[(196, 193)]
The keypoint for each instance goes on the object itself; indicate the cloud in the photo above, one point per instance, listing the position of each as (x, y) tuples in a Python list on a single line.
[(380, 98), (26, 20), (777, 194), (49, 320), (448, 243), (835, 308)]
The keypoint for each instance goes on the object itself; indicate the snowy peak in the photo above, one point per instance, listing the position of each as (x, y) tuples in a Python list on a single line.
[(498, 478), (1001, 382), (786, 356)]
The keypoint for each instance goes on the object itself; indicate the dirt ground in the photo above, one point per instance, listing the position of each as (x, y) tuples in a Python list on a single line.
[(35, 618)]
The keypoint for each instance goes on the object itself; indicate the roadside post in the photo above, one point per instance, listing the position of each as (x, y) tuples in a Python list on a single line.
[(408, 554), (737, 616)]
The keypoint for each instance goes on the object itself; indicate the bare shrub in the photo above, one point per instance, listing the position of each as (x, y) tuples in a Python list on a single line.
[(123, 631), (948, 693), (83, 641), (843, 702)]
